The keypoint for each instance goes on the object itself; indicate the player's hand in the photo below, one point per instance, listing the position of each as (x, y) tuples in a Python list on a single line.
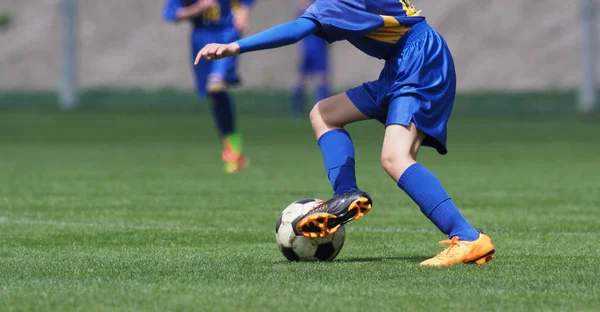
[(204, 5), (241, 20), (196, 9), (215, 51)]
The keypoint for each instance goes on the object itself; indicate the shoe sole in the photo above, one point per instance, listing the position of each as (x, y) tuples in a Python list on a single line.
[(485, 259), (323, 224)]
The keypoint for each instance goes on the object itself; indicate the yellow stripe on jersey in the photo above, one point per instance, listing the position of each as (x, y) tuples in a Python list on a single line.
[(212, 15), (390, 32), (409, 8), (236, 4)]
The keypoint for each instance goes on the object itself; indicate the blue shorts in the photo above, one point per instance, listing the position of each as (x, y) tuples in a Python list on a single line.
[(417, 84), (313, 56), (214, 76)]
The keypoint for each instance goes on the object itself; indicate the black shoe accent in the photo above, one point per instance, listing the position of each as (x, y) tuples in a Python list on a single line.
[(327, 217)]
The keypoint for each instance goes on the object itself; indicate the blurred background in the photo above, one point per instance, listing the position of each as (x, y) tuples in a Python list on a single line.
[(498, 45)]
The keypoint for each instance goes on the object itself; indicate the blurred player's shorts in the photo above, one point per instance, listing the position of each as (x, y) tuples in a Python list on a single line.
[(222, 72), (313, 55)]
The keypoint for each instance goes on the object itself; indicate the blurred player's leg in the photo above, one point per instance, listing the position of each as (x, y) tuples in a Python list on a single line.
[(322, 91), (298, 97), (328, 118), (314, 63), (222, 75), (224, 115), (304, 69), (213, 78), (321, 68)]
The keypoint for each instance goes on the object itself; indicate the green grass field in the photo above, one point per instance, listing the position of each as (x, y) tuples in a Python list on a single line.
[(128, 210)]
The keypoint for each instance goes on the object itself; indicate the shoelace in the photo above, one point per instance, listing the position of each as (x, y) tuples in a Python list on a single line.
[(452, 242)]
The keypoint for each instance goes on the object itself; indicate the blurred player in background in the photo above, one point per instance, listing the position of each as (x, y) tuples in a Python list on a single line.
[(314, 63), (216, 21), (413, 98)]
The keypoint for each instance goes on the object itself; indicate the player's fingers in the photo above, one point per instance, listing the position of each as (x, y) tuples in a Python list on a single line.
[(198, 57), (214, 48), (219, 52), (206, 51), (216, 52)]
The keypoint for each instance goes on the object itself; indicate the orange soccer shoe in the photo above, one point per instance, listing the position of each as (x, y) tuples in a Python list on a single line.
[(478, 251), (234, 162), (232, 154)]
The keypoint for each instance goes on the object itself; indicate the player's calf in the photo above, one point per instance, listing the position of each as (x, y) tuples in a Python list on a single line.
[(400, 148)]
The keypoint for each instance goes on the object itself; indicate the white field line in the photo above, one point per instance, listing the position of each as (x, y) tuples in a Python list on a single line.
[(200, 228)]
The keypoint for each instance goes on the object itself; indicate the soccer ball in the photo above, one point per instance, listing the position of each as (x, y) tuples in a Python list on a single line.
[(299, 248)]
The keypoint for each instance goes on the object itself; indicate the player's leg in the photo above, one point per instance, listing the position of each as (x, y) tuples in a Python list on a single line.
[(322, 89), (298, 95), (322, 71), (222, 75), (304, 70), (417, 116), (399, 158), (401, 145), (328, 118), (222, 109)]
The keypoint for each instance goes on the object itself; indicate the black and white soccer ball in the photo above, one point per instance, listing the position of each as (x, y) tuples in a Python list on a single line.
[(299, 248)]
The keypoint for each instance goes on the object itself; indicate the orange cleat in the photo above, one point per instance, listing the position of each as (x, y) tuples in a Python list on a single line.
[(479, 251), (328, 216), (233, 166)]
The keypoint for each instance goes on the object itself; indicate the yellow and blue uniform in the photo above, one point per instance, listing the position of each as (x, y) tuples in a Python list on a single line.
[(418, 81), (213, 26)]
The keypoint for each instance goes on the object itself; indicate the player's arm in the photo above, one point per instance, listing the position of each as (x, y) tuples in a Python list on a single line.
[(241, 16), (175, 11), (278, 36)]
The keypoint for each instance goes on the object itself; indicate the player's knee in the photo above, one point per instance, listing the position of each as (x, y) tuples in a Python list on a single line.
[(316, 118), (216, 84), (396, 163)]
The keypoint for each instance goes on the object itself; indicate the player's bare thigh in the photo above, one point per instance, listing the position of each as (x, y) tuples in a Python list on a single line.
[(333, 113), (401, 146)]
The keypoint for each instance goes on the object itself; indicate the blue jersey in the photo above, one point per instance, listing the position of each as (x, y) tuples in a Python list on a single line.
[(219, 16), (372, 26)]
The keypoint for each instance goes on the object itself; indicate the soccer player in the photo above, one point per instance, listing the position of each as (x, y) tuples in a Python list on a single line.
[(413, 98), (314, 63), (216, 21)]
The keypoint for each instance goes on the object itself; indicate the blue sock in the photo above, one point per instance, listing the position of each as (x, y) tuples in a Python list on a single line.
[(338, 154), (223, 112), (298, 101), (322, 92), (425, 189)]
